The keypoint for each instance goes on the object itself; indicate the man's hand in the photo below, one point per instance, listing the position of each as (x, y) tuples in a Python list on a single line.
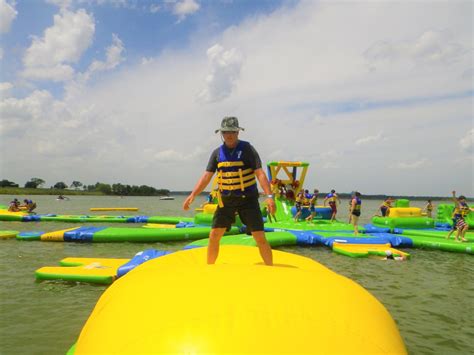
[(271, 205), (189, 200)]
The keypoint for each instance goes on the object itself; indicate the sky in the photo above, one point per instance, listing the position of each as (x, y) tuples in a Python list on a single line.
[(377, 96)]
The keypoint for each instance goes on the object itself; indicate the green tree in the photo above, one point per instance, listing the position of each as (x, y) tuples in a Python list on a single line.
[(104, 188), (76, 184), (34, 183), (6, 183), (60, 185)]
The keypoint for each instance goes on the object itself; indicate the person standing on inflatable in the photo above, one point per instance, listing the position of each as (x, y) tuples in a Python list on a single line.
[(332, 199), (238, 168)]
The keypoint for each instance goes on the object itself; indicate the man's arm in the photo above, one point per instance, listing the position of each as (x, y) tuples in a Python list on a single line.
[(200, 186), (263, 181)]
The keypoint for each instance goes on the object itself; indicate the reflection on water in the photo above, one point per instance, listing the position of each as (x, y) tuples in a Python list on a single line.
[(429, 296)]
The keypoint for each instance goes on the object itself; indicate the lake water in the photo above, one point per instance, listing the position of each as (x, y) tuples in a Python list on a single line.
[(430, 296)]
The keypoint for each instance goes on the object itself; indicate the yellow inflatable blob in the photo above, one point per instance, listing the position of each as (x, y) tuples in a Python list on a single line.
[(178, 304)]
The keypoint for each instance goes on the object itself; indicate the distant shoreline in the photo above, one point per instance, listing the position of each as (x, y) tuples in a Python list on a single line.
[(57, 192)]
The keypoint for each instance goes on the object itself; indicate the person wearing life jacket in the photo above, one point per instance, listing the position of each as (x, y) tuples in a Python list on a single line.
[(332, 199), (429, 209), (299, 202), (461, 210), (313, 201), (385, 206), (238, 167), (14, 205), (356, 204), (29, 205)]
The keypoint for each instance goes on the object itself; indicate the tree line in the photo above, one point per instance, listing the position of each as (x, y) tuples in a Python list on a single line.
[(107, 189)]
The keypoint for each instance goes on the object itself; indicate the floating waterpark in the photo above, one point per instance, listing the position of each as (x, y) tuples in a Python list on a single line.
[(239, 268), (403, 227)]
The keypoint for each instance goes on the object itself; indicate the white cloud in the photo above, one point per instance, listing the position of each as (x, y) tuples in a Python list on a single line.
[(412, 165), (5, 89), (113, 57), (8, 13), (60, 3), (370, 139), (431, 47), (1, 53), (301, 62), (154, 8), (224, 73), (58, 72), (20, 113), (467, 142), (184, 8), (62, 43)]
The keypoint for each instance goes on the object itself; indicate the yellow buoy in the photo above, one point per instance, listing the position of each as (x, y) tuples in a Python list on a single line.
[(179, 304)]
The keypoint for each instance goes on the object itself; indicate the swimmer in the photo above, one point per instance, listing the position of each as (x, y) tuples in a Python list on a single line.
[(389, 256)]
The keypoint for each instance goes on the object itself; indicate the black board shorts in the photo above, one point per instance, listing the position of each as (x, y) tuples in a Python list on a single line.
[(246, 206)]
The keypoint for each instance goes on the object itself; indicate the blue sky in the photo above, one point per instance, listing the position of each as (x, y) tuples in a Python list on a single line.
[(131, 91)]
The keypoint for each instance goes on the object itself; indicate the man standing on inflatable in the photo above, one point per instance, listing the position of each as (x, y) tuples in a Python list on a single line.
[(238, 167)]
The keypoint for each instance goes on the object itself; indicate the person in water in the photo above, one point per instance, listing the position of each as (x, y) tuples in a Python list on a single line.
[(389, 256), (332, 199), (429, 209), (238, 168), (461, 210), (313, 201), (29, 205), (356, 204)]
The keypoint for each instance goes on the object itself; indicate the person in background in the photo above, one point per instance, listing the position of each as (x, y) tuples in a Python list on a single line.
[(14, 205), (238, 168), (332, 199), (461, 210), (385, 206), (300, 198), (389, 256), (313, 201), (356, 204), (29, 205), (271, 216), (429, 209)]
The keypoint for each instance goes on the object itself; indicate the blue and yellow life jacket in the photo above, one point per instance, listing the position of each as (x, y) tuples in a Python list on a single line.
[(358, 204), (331, 198), (464, 209), (233, 176)]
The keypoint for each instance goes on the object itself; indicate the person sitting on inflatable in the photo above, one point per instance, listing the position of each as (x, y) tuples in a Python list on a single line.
[(14, 206)]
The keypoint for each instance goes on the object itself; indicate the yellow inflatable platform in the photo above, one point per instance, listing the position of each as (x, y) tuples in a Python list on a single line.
[(405, 212), (178, 304), (365, 250), (94, 270), (114, 209)]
